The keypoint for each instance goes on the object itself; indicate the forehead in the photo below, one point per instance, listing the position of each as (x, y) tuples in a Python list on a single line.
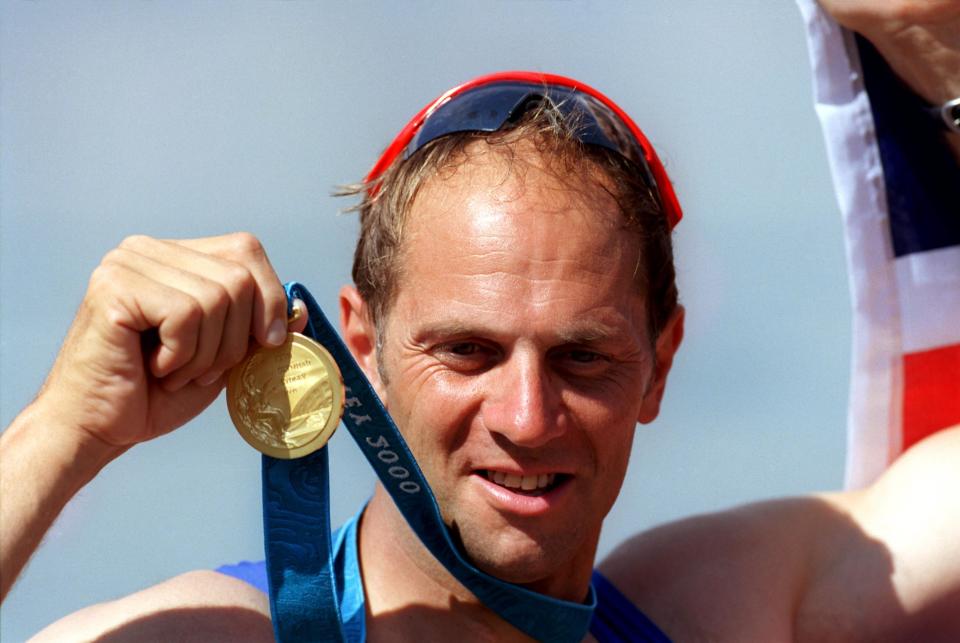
[(516, 231), (515, 192)]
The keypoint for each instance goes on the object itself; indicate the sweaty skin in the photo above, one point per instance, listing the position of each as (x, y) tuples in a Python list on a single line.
[(521, 387), (879, 564), (517, 344)]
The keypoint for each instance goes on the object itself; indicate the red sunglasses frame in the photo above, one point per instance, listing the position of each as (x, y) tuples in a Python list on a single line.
[(668, 197)]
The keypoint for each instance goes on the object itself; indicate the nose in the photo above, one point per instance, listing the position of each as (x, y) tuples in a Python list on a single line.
[(522, 403)]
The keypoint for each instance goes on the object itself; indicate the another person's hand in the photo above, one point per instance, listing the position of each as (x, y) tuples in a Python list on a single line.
[(919, 38), (161, 323)]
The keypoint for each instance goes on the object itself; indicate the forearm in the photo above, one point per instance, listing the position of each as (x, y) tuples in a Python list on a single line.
[(928, 60), (919, 40), (43, 463)]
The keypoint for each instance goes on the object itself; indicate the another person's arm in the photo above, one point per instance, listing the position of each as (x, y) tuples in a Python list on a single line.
[(160, 324), (920, 39)]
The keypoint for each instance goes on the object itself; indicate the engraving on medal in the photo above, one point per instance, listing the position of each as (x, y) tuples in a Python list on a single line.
[(287, 401)]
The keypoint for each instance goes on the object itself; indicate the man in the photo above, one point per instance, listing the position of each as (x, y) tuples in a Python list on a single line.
[(517, 321)]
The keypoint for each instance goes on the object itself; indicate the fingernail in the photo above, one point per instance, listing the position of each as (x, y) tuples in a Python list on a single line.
[(277, 332), (209, 378)]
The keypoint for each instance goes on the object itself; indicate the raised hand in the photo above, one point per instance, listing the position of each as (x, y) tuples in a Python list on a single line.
[(161, 322), (919, 38)]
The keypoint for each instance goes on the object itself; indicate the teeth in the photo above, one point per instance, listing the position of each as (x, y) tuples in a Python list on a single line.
[(524, 483)]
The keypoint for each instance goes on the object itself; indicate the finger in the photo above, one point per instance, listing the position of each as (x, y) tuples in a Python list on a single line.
[(136, 302), (270, 301), (240, 286), (237, 327), (212, 297), (214, 260)]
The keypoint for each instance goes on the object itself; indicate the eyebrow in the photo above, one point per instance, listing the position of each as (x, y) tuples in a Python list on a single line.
[(589, 331), (581, 331)]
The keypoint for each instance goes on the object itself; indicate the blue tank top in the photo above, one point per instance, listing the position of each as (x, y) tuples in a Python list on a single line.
[(615, 619)]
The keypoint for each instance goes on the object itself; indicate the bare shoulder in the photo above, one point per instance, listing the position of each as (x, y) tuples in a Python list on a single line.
[(901, 575), (878, 563), (732, 575), (196, 606)]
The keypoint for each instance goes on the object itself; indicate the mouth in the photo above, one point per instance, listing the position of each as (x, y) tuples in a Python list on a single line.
[(532, 485)]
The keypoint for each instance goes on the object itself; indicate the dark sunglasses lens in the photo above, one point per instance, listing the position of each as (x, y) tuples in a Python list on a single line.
[(484, 109), (489, 107)]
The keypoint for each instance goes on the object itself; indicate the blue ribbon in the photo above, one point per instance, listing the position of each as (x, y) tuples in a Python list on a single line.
[(296, 522)]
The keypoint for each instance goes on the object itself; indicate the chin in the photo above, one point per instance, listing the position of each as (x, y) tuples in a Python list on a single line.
[(516, 556)]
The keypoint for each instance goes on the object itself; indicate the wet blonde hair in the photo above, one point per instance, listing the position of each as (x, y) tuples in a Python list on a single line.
[(387, 201)]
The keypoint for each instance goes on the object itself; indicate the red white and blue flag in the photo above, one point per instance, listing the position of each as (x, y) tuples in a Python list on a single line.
[(898, 186)]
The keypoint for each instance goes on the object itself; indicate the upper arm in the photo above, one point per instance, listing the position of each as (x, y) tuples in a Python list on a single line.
[(196, 606), (902, 574), (883, 563), (727, 576)]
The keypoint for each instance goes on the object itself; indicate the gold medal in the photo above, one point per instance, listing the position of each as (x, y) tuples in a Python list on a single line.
[(286, 401)]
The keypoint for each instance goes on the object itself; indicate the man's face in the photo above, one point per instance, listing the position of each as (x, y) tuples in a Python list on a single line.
[(517, 360)]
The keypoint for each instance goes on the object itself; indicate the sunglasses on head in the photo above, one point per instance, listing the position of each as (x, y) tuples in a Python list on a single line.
[(487, 103)]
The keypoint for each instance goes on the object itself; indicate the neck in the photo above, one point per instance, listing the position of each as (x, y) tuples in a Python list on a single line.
[(411, 596)]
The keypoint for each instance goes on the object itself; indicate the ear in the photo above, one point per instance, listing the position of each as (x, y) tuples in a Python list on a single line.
[(360, 335), (667, 345)]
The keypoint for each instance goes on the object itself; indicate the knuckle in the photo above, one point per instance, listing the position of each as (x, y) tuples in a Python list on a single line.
[(275, 298), (104, 278), (189, 310), (115, 256), (134, 241), (908, 11), (217, 297), (246, 245), (238, 280)]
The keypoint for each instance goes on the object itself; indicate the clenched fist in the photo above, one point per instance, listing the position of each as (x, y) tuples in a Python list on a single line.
[(161, 323)]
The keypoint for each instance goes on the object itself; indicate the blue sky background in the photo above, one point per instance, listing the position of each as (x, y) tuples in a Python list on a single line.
[(185, 119)]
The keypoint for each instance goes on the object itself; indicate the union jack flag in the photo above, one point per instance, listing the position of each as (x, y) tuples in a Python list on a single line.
[(898, 187)]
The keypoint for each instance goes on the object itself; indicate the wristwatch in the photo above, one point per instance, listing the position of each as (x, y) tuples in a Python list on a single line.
[(948, 115)]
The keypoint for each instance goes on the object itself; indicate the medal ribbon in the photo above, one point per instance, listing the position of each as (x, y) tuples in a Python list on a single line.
[(304, 588)]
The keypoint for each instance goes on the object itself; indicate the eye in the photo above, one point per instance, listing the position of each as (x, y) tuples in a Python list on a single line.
[(466, 356), (581, 361), (464, 349), (583, 356)]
